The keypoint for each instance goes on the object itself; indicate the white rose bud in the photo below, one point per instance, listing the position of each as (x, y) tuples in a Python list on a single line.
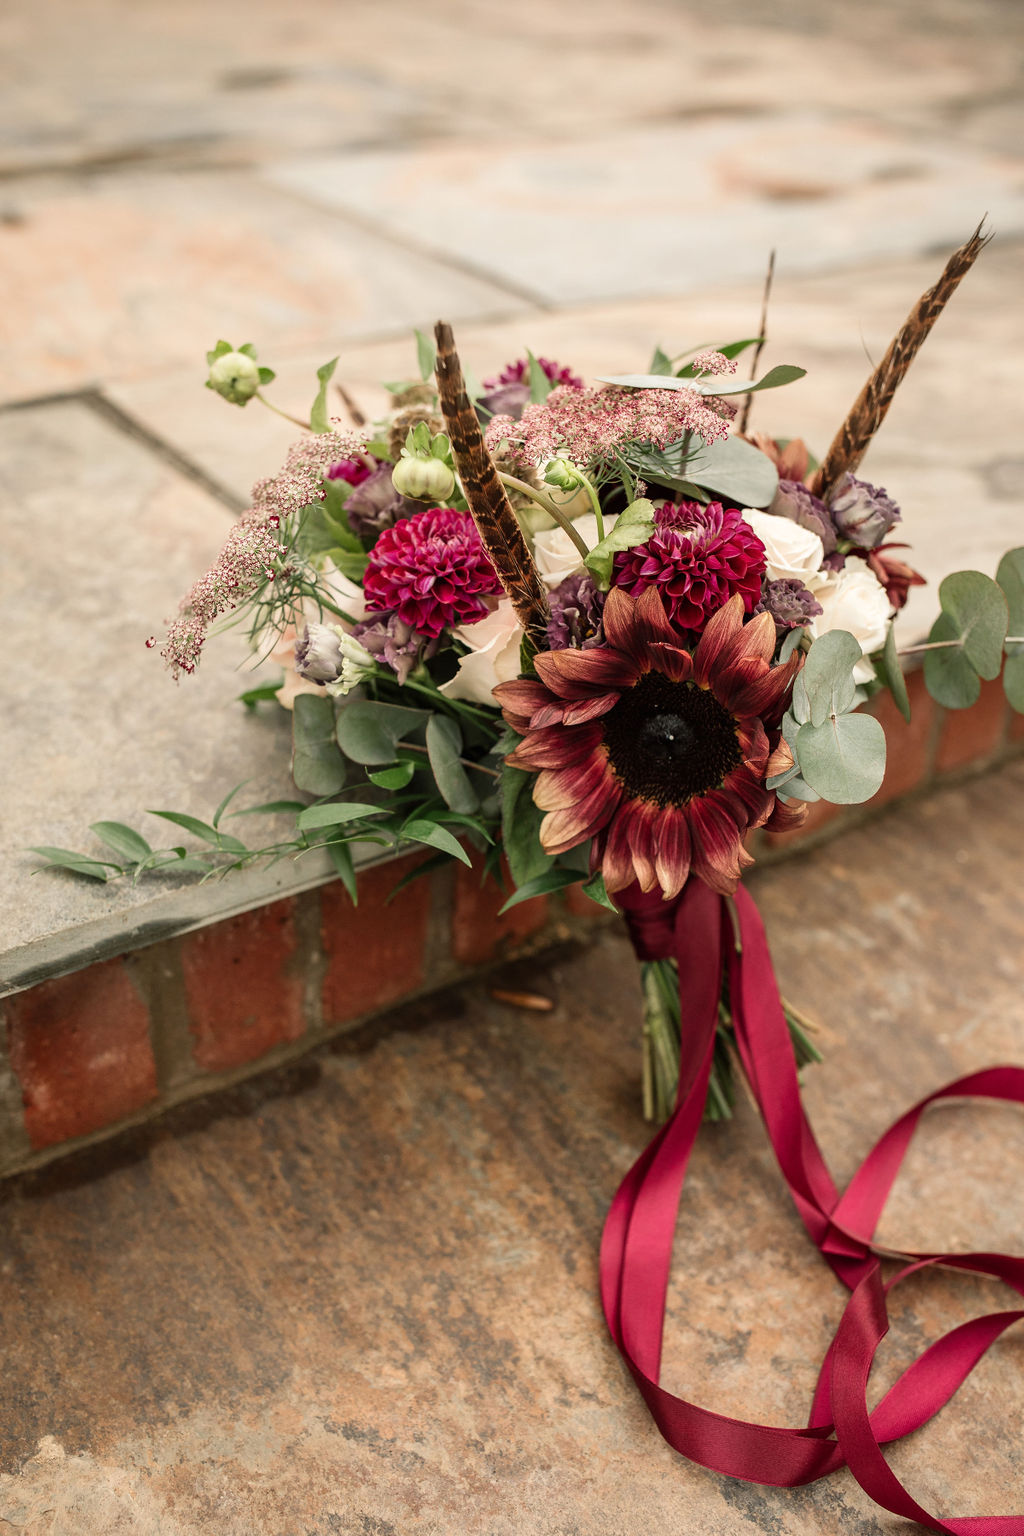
[(855, 600), (557, 556), (793, 553)]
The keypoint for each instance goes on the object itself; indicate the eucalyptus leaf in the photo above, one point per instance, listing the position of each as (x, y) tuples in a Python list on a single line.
[(444, 748), (827, 675), (977, 609), (717, 384), (948, 675), (317, 765), (661, 363), (318, 418), (124, 841), (1010, 577), (801, 708), (891, 673), (843, 760), (790, 644), (734, 469), (798, 789), (421, 831), (396, 777), (368, 732)]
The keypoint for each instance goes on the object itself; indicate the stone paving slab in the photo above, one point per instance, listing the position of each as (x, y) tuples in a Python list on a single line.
[(240, 83), (949, 450), (101, 540), (676, 208), (127, 275), (360, 1296)]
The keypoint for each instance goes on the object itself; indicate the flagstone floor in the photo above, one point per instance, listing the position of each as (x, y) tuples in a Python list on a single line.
[(360, 1295)]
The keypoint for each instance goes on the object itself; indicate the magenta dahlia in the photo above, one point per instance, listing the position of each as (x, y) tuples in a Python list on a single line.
[(659, 756), (698, 558), (519, 373), (432, 571)]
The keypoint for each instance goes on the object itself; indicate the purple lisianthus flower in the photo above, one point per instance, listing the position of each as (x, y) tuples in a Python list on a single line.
[(790, 603), (862, 513), (318, 654), (576, 606), (391, 641), (795, 501)]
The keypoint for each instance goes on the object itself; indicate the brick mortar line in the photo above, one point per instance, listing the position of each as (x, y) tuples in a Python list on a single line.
[(561, 928)]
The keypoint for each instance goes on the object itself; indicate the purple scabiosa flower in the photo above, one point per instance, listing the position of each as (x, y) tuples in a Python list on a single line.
[(509, 393), (432, 571), (374, 504), (576, 606), (318, 655), (801, 506), (862, 513), (390, 640), (790, 603), (697, 558)]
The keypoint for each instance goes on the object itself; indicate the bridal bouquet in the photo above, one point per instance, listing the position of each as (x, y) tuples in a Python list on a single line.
[(601, 632)]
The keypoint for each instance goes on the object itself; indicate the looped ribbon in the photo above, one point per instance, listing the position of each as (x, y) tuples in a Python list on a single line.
[(698, 932)]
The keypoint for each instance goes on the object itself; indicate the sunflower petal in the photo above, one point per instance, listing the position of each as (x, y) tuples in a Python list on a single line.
[(672, 660), (554, 746), (719, 856), (557, 788), (672, 845), (580, 674), (590, 709), (571, 825), (718, 631)]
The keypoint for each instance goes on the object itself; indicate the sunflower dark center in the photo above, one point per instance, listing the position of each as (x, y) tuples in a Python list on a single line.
[(668, 742)]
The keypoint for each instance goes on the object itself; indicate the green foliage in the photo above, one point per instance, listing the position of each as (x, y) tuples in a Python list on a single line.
[(542, 885), (396, 777), (419, 830), (261, 694), (977, 610), (730, 468), (730, 349), (426, 356), (340, 855), (78, 863), (661, 364), (336, 813), (128, 844), (444, 749), (716, 384), (843, 759), (1010, 577), (948, 675), (520, 826), (596, 890), (318, 418), (540, 385), (368, 731), (825, 686), (317, 765), (634, 526), (891, 674)]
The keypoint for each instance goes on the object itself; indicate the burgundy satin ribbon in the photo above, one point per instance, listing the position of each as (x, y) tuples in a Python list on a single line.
[(636, 1250)]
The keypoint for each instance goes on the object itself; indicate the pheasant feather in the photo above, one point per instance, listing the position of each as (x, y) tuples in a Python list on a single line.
[(492, 511), (868, 412)]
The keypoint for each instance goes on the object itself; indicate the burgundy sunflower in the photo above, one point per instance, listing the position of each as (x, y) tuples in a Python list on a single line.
[(659, 755)]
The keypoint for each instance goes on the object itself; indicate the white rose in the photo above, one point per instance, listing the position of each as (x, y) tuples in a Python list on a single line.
[(344, 592), (557, 556), (794, 553), (493, 657), (854, 599)]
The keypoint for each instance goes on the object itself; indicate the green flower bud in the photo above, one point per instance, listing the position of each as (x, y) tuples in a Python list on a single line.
[(561, 473), (423, 478), (235, 376)]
